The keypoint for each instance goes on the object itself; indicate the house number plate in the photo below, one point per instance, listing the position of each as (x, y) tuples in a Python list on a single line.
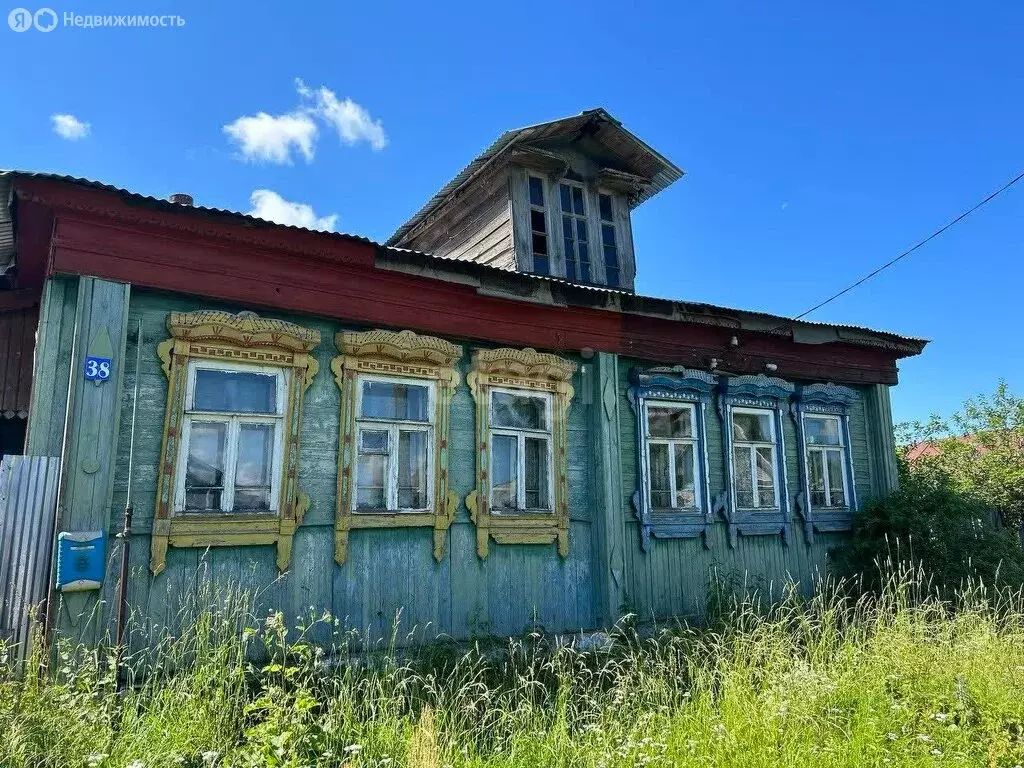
[(97, 368)]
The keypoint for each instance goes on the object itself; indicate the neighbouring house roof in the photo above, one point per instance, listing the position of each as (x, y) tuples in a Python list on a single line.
[(521, 286), (597, 123)]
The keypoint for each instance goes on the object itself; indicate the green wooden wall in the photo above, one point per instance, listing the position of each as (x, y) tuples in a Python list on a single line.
[(390, 574), (672, 579)]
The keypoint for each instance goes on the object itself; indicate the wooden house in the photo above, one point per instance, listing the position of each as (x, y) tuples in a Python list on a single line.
[(478, 426)]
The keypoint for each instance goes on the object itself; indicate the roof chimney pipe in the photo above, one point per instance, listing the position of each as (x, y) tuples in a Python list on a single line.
[(180, 198)]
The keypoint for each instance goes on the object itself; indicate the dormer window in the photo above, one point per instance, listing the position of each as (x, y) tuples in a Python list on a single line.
[(539, 228), (608, 240), (574, 231)]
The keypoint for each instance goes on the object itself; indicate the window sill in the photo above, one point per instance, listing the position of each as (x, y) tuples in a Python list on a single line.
[(386, 518)]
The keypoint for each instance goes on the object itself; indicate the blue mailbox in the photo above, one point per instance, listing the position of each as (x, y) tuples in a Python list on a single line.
[(81, 560)]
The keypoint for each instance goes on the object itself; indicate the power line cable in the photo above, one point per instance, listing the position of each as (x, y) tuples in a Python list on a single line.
[(909, 251)]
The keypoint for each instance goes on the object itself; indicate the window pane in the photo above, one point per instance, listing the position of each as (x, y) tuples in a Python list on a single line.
[(540, 244), (537, 222), (577, 200), (570, 264), (581, 230), (744, 482), (536, 191), (253, 467), (605, 202), (371, 474), (816, 477), (504, 466), (565, 195), (608, 235), (412, 470), (537, 473), (686, 493), (518, 411), (612, 273), (753, 427), (661, 491), (821, 431), (204, 471), (584, 263), (766, 477), (669, 422), (541, 265), (235, 391), (835, 478), (385, 400), (373, 441)]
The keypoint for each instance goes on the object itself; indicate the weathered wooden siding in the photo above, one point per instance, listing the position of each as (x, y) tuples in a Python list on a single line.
[(388, 573), (672, 578), (476, 227), (17, 343)]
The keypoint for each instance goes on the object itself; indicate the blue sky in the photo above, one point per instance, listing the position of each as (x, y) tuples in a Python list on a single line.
[(820, 139)]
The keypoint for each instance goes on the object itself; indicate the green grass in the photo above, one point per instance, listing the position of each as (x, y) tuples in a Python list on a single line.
[(900, 679)]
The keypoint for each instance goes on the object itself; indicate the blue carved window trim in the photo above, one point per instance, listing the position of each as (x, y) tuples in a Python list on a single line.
[(771, 394), (672, 385), (825, 400)]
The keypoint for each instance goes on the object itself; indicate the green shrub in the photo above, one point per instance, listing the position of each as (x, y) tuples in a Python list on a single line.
[(932, 523)]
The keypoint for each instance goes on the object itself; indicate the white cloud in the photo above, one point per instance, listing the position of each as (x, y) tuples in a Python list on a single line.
[(266, 138), (267, 204), (273, 138), (69, 127), (352, 121)]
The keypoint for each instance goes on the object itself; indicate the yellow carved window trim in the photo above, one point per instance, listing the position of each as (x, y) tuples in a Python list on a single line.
[(532, 371), (397, 354), (241, 338)]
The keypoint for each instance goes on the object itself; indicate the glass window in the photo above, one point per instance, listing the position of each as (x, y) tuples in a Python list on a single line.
[(520, 451), (539, 228), (671, 456), (232, 439), (755, 470), (574, 232), (395, 428), (609, 244), (826, 461)]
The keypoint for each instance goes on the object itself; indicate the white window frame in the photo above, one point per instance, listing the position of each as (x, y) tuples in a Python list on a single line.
[(234, 421), (543, 209), (393, 427), (521, 434), (586, 217), (751, 446), (693, 441), (613, 223), (824, 449)]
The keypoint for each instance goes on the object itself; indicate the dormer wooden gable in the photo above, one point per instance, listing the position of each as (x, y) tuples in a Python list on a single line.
[(550, 199)]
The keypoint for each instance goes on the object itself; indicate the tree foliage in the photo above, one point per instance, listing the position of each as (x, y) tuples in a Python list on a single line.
[(960, 505)]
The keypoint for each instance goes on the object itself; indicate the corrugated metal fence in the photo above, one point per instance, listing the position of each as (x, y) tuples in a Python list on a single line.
[(28, 496)]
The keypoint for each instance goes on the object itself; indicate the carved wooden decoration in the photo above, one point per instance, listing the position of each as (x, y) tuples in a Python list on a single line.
[(672, 384), (768, 393), (831, 400), (533, 371), (407, 355), (241, 338)]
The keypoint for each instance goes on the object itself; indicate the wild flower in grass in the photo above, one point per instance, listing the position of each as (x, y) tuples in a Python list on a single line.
[(936, 752), (354, 749), (136, 764), (96, 759), (210, 757)]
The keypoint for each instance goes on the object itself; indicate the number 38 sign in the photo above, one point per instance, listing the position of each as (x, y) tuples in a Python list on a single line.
[(97, 368)]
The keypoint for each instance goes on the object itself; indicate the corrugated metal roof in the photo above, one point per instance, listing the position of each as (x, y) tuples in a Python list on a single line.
[(619, 300), (165, 205), (606, 129)]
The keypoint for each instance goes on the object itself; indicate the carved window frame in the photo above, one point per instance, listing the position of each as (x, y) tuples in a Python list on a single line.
[(764, 393), (533, 372), (825, 400), (675, 385), (394, 355), (242, 338)]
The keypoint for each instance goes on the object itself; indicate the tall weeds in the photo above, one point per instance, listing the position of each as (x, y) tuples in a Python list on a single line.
[(896, 678)]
